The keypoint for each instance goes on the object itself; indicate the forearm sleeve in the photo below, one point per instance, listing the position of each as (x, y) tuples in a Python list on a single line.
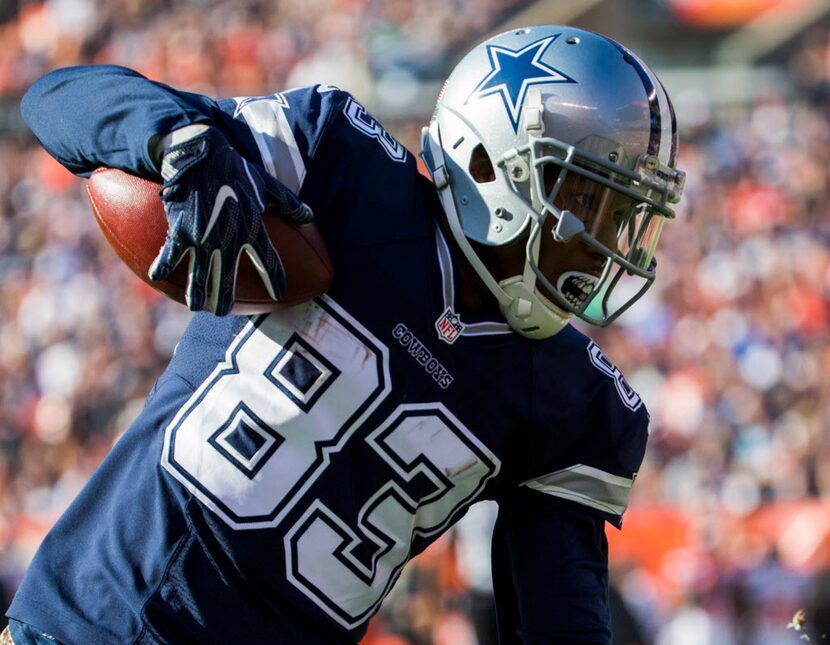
[(104, 115)]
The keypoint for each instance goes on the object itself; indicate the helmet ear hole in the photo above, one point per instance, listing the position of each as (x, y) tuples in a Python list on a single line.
[(481, 168)]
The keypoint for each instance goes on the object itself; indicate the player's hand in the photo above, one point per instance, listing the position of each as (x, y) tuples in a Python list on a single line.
[(214, 200)]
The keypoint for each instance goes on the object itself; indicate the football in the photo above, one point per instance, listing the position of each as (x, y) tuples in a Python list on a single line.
[(131, 215)]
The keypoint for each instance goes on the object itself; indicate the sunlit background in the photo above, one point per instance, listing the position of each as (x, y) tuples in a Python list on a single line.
[(727, 534)]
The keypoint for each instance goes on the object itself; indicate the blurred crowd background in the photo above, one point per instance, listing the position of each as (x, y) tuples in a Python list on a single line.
[(728, 534)]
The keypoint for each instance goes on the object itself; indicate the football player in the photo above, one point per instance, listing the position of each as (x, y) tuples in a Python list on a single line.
[(287, 466)]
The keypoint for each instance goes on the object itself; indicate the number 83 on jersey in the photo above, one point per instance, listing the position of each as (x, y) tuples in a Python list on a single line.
[(255, 436)]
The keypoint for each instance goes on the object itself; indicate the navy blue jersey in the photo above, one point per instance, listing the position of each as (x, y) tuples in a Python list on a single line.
[(286, 467)]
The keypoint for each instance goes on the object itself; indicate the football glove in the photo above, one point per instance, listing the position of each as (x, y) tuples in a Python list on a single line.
[(214, 200)]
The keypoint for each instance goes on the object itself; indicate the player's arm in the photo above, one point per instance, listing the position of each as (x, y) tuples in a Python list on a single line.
[(214, 197), (550, 553), (550, 573), (105, 115)]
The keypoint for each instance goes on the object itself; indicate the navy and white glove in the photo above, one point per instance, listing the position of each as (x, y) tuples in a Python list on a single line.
[(214, 200)]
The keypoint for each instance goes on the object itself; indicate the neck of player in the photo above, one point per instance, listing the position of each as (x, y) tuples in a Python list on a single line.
[(472, 296)]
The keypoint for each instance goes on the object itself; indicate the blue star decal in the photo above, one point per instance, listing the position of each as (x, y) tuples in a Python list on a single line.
[(513, 72)]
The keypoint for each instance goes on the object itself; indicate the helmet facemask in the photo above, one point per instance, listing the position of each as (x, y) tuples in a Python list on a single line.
[(579, 197)]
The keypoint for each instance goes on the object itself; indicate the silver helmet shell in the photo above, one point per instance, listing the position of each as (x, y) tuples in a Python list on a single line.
[(541, 96)]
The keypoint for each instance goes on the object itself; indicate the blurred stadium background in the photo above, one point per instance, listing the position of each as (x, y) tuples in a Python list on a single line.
[(728, 532)]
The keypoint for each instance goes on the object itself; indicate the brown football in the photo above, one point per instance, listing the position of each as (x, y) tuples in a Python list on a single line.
[(131, 215)]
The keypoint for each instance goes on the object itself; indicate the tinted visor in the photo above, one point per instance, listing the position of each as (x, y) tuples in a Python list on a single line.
[(622, 222)]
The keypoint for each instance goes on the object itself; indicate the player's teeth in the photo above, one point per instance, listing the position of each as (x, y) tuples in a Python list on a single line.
[(576, 286)]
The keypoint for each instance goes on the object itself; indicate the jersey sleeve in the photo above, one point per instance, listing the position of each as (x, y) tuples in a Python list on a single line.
[(318, 141), (550, 575), (106, 115), (591, 455)]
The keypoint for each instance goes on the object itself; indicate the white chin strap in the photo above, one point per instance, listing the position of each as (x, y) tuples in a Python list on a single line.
[(526, 310), (529, 312)]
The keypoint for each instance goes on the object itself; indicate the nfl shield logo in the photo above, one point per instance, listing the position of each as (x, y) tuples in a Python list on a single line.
[(449, 326)]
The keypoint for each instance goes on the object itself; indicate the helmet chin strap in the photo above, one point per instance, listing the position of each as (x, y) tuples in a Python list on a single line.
[(530, 313), (526, 310)]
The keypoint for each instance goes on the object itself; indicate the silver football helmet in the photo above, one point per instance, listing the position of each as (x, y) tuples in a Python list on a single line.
[(545, 136)]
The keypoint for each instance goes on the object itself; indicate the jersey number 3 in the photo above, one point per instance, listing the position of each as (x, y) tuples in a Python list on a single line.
[(253, 439)]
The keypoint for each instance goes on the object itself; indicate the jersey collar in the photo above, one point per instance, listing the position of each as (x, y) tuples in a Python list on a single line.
[(449, 325)]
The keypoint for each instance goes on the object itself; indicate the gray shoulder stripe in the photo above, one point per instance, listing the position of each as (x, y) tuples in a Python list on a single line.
[(485, 328), (588, 486), (445, 263), (275, 141)]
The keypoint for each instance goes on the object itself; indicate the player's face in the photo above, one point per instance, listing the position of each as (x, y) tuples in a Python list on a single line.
[(608, 217), (603, 212)]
